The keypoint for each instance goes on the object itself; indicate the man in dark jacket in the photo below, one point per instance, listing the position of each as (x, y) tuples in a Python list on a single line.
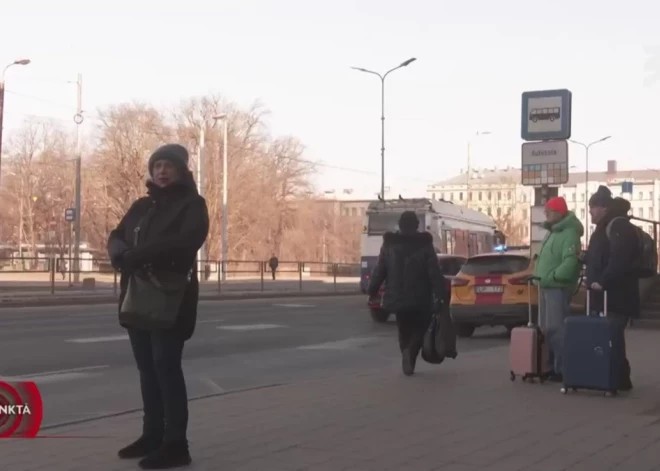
[(414, 285), (273, 264), (164, 231), (611, 256)]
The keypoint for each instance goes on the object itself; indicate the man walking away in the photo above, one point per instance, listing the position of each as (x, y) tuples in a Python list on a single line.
[(414, 285), (273, 263), (558, 270), (612, 259)]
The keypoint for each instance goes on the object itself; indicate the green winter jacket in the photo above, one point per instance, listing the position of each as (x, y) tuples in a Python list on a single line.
[(558, 265)]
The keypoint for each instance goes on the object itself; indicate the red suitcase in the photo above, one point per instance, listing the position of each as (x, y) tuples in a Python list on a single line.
[(528, 351)]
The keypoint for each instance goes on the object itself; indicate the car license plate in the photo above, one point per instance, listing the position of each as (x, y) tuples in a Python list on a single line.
[(488, 289)]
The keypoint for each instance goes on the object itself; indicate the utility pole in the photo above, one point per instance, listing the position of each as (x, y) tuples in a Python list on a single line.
[(468, 194), (78, 119), (201, 254), (225, 222)]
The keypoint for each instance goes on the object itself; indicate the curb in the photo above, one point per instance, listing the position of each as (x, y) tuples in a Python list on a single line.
[(111, 299)]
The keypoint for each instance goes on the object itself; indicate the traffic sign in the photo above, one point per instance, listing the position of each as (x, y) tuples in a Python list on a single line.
[(546, 114), (70, 214), (544, 163)]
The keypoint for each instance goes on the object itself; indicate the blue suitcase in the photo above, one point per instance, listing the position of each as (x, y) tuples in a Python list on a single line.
[(594, 352)]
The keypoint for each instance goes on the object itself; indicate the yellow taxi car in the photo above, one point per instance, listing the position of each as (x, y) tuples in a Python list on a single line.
[(491, 289)]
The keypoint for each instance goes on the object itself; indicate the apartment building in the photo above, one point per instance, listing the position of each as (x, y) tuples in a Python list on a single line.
[(498, 192)]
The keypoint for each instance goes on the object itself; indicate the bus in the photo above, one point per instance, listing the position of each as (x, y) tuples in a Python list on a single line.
[(456, 230)]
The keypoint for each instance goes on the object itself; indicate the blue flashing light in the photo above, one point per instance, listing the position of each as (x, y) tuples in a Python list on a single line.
[(500, 248)]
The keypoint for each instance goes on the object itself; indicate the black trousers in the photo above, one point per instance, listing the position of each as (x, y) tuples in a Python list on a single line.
[(158, 355), (412, 325), (623, 322)]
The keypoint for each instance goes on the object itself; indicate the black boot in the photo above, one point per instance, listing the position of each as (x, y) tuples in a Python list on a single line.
[(169, 455), (407, 362), (140, 448)]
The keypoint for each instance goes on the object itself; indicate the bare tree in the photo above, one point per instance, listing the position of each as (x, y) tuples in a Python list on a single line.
[(116, 172), (39, 185), (272, 209), (512, 227)]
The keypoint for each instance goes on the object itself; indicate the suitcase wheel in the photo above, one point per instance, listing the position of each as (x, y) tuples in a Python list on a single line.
[(512, 376), (564, 390)]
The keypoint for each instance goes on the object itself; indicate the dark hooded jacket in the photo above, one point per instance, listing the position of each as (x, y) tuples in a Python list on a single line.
[(610, 262), (174, 224), (408, 265)]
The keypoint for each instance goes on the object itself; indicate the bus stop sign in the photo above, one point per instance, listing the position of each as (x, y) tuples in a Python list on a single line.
[(70, 214)]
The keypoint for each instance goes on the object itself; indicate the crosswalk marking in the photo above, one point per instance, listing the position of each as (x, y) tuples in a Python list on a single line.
[(247, 327), (59, 375), (345, 344), (294, 305), (109, 338)]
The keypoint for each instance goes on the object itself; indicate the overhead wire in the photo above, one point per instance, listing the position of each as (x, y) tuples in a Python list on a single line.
[(160, 135)]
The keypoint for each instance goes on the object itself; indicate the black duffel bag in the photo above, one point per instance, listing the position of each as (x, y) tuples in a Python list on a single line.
[(439, 339)]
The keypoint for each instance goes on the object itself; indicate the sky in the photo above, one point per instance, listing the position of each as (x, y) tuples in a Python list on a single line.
[(474, 60)]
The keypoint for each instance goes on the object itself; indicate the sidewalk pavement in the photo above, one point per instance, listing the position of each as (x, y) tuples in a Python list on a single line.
[(463, 415)]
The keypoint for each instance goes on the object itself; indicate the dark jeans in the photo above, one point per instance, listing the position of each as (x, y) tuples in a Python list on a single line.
[(158, 356), (412, 325), (273, 272)]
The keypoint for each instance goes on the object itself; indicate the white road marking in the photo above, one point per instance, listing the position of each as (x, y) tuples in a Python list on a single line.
[(346, 344), (242, 328), (57, 376), (210, 321), (215, 387), (294, 305), (109, 338)]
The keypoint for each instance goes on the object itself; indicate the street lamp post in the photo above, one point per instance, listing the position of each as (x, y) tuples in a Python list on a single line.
[(586, 182), (469, 164), (225, 222), (382, 116), (2, 99)]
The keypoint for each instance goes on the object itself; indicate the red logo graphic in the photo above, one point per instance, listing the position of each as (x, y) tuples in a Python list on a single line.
[(21, 410)]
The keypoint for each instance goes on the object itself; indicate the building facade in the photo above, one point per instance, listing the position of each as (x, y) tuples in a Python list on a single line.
[(498, 192)]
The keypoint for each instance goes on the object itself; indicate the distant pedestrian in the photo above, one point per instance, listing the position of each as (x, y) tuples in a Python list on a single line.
[(558, 270), (611, 263), (160, 235), (414, 285), (273, 264)]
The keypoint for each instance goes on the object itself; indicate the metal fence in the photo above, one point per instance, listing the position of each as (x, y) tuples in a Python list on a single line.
[(58, 273)]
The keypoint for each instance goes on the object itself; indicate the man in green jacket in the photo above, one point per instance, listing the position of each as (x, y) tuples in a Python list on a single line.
[(558, 270)]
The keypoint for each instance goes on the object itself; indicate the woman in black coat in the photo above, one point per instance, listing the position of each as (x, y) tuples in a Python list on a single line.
[(164, 231)]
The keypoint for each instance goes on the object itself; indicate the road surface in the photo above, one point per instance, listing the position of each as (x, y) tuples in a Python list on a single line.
[(82, 361)]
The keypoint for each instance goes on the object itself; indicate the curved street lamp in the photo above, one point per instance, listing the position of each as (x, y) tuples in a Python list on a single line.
[(586, 181), (2, 100), (382, 78)]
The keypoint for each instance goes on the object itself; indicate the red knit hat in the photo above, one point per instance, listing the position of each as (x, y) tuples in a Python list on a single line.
[(557, 204)]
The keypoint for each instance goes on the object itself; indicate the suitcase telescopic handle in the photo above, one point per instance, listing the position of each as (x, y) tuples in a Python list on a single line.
[(589, 290), (530, 281)]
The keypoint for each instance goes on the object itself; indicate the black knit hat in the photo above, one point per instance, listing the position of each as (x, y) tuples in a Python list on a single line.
[(408, 222), (175, 153), (602, 198)]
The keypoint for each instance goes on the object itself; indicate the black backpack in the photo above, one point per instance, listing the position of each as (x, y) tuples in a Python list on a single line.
[(646, 262)]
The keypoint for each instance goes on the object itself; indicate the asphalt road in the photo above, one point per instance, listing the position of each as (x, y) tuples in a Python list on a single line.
[(82, 361), (18, 289)]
